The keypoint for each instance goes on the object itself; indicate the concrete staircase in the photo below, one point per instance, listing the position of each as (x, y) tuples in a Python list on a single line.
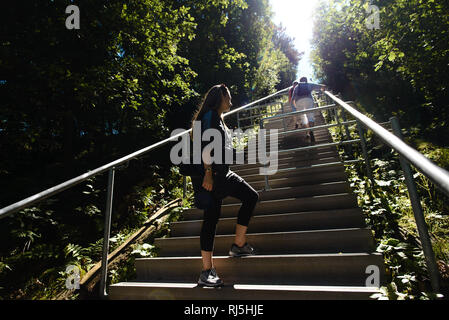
[(309, 234)]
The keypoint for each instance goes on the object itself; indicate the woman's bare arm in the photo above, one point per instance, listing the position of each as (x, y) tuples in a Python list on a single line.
[(208, 180)]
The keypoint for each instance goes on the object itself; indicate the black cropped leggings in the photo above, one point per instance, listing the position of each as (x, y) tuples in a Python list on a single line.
[(235, 186)]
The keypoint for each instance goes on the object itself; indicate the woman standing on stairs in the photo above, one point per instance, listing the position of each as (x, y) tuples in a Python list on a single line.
[(221, 182)]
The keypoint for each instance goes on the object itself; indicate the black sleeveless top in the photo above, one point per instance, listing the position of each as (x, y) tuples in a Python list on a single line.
[(211, 120)]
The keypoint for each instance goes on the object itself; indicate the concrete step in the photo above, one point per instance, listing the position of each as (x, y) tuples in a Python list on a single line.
[(287, 158), (299, 153), (291, 205), (300, 180), (297, 192), (300, 221), (346, 269), (315, 171), (308, 232), (289, 124), (293, 242), (288, 135), (292, 130), (290, 164), (284, 150), (287, 138), (235, 292), (284, 135)]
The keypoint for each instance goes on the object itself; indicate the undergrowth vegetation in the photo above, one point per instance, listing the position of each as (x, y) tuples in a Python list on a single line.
[(37, 267), (388, 212)]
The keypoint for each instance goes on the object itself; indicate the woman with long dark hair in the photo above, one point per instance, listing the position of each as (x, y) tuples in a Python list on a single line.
[(221, 182)]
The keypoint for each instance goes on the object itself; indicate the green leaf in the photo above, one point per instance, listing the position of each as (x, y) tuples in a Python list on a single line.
[(392, 56)]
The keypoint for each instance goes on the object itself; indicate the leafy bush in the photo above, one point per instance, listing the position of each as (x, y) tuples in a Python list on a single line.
[(388, 212)]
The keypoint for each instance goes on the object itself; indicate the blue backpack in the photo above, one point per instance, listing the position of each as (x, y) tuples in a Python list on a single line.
[(302, 90)]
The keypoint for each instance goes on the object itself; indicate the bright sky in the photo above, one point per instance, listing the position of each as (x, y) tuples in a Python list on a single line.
[(296, 17)]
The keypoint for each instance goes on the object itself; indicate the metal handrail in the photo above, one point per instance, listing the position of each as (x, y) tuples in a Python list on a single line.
[(257, 101), (318, 146), (407, 156), (265, 106), (294, 113), (262, 106), (257, 115), (11, 209), (6, 211), (316, 128), (437, 175)]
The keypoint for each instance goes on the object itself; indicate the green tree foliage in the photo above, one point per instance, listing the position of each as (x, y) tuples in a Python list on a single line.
[(73, 100), (76, 99), (400, 68), (70, 94), (284, 42), (235, 43)]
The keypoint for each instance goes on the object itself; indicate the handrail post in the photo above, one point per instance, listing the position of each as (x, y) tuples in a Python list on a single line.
[(418, 213), (238, 120), (339, 125), (251, 114), (107, 231), (329, 114), (348, 133), (332, 114), (365, 151), (184, 187), (263, 142), (335, 110), (283, 119)]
